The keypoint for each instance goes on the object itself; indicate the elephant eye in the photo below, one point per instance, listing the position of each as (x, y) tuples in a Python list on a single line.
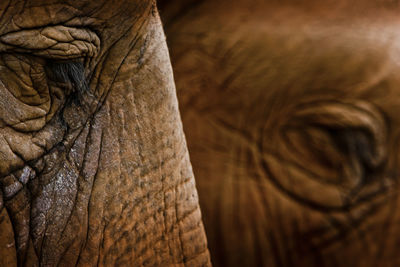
[(56, 53), (331, 155), (72, 74), (33, 89)]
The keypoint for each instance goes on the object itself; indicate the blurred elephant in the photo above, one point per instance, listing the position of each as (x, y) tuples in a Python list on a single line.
[(94, 169), (291, 112)]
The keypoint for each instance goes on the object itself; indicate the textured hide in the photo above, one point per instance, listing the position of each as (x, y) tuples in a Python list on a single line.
[(94, 169)]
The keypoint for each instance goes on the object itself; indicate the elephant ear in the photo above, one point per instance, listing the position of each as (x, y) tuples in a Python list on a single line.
[(331, 154)]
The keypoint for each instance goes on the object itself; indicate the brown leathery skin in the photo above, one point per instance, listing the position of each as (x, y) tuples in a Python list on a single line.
[(97, 177), (290, 109)]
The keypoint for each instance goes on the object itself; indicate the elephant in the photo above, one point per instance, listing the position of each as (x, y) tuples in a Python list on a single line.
[(291, 114), (94, 167)]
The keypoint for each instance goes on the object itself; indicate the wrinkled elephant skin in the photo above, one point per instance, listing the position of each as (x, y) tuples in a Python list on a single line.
[(94, 168), (291, 113)]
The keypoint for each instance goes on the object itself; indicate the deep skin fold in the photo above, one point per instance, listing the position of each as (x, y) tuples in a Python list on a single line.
[(112, 181)]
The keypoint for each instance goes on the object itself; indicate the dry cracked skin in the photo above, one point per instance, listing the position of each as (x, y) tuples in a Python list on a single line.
[(291, 112), (94, 168)]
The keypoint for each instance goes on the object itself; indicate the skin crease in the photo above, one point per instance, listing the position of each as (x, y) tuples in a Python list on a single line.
[(96, 176), (290, 109)]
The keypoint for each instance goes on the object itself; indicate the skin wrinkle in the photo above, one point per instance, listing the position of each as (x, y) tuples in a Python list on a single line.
[(98, 90), (60, 12), (37, 110), (79, 259), (53, 42)]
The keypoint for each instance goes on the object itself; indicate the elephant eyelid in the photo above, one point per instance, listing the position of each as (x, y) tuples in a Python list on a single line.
[(71, 73), (52, 42)]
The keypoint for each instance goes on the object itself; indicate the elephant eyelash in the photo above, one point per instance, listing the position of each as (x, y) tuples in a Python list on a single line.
[(70, 73)]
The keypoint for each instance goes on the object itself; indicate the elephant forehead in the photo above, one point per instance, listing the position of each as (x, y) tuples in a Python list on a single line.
[(16, 15)]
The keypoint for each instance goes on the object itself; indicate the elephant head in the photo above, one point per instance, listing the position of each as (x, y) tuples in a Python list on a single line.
[(290, 109), (94, 168)]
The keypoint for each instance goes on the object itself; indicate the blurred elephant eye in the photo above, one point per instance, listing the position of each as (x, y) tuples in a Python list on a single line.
[(331, 154)]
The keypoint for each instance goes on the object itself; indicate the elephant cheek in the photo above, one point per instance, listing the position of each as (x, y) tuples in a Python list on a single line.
[(8, 255), (144, 175)]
